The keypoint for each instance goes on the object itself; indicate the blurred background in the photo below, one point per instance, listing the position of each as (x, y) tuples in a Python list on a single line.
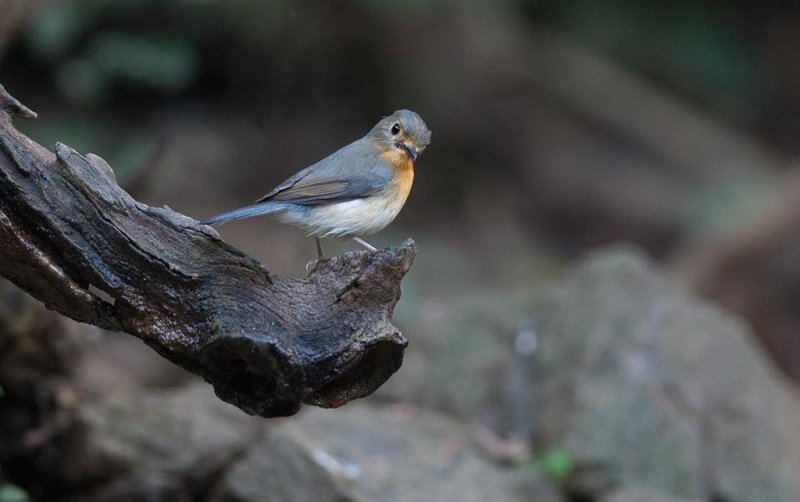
[(559, 128)]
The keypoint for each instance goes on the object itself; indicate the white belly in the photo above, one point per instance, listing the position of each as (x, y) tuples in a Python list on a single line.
[(352, 217)]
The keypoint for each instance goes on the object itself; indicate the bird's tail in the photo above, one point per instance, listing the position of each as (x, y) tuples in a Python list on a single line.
[(262, 209)]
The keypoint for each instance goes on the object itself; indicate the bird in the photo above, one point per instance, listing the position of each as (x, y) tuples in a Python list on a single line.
[(355, 191)]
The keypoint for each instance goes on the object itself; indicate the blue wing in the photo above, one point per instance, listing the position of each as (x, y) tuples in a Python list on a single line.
[(353, 172)]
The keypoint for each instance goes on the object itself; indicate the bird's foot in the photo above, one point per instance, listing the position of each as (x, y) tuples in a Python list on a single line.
[(311, 265)]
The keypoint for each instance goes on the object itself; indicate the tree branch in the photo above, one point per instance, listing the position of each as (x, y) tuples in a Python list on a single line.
[(77, 242)]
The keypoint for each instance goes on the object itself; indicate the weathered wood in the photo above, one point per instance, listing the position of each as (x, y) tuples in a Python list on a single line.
[(71, 237)]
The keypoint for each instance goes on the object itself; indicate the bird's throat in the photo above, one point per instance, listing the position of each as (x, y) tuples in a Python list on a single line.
[(404, 170)]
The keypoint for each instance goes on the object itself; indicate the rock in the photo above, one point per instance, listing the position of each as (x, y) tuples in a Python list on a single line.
[(646, 384), (118, 363), (642, 494), (461, 332), (38, 348), (647, 392), (283, 466), (359, 452), (168, 445)]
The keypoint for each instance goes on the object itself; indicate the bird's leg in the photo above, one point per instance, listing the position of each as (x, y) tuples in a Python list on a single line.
[(319, 248), (313, 263), (364, 243)]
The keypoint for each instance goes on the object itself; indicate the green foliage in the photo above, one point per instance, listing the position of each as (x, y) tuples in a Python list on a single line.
[(158, 64), (722, 206), (417, 8), (12, 493), (92, 48), (92, 45), (695, 46), (166, 64), (557, 465), (154, 45), (56, 29), (98, 50)]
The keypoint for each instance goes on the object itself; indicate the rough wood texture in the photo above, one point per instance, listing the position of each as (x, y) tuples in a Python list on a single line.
[(76, 241)]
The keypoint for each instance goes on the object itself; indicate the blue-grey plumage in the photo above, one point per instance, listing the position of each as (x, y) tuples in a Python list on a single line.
[(262, 209), (357, 190)]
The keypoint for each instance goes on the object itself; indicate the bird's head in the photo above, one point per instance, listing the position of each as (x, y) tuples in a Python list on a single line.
[(401, 136)]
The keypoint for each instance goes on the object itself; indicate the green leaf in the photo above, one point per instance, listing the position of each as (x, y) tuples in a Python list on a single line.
[(12, 493), (163, 64), (55, 30), (557, 465), (698, 47)]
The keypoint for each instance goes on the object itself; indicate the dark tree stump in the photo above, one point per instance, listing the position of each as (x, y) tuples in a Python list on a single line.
[(76, 241)]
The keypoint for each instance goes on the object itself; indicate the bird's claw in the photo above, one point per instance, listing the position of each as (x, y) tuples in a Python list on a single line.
[(310, 266)]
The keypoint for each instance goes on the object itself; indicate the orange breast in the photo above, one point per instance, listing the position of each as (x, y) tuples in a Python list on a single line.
[(404, 174), (404, 179)]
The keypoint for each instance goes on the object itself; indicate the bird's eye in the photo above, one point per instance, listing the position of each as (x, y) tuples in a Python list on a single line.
[(395, 129)]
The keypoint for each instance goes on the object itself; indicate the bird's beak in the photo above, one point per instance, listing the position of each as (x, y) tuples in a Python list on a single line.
[(412, 150)]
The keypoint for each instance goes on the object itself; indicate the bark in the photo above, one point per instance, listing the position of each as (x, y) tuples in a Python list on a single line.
[(72, 238)]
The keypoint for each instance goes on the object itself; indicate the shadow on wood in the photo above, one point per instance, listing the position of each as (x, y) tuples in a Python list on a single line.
[(72, 238)]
